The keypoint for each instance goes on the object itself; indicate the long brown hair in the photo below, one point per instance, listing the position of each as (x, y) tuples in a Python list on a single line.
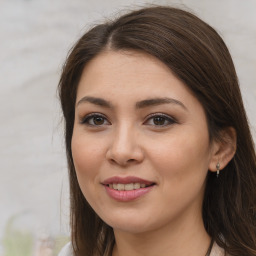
[(195, 52)]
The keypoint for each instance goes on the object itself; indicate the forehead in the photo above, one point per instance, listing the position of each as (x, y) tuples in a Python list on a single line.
[(130, 75), (112, 65)]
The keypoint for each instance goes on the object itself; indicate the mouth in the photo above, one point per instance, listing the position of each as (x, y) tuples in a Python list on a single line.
[(128, 187), (127, 183)]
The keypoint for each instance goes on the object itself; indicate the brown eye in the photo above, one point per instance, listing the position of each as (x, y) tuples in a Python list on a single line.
[(159, 120), (98, 120), (95, 120)]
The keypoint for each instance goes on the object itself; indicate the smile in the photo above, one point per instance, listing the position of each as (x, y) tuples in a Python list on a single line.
[(127, 188)]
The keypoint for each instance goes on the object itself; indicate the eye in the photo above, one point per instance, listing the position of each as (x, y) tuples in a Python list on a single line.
[(160, 120), (95, 120)]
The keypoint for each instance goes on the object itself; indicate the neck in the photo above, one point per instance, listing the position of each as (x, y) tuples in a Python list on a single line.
[(175, 239)]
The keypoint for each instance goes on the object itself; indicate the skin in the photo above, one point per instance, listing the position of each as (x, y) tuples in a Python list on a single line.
[(127, 141)]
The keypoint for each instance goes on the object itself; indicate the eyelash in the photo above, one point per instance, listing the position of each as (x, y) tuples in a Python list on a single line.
[(86, 120), (167, 118)]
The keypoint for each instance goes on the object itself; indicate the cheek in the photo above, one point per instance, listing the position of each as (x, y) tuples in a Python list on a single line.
[(86, 149), (182, 156), (86, 156), (182, 165)]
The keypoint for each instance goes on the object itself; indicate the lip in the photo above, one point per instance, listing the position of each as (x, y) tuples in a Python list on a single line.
[(127, 180), (127, 195)]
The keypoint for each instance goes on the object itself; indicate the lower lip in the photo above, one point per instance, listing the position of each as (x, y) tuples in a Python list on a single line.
[(127, 195)]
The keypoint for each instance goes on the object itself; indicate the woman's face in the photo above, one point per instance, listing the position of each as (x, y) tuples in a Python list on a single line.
[(140, 143)]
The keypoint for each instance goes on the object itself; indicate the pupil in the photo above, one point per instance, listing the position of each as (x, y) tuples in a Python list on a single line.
[(98, 120), (159, 120)]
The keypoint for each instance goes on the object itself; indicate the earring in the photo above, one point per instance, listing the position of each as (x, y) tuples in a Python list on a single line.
[(218, 169)]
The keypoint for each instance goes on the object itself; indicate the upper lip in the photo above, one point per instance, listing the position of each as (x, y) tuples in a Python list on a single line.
[(126, 180)]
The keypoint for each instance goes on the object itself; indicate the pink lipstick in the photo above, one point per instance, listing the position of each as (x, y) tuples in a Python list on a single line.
[(127, 188)]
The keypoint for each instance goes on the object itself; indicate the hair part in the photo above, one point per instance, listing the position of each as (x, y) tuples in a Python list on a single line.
[(197, 55)]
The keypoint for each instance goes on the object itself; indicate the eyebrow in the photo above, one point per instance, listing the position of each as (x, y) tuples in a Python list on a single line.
[(159, 101), (96, 101), (139, 105)]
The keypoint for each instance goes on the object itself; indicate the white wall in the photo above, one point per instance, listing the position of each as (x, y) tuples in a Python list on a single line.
[(35, 37)]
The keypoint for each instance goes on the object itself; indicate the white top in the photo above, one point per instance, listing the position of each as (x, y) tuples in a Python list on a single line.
[(67, 250), (217, 251)]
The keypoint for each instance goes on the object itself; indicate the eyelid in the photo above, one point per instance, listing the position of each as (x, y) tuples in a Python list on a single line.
[(169, 118), (84, 119)]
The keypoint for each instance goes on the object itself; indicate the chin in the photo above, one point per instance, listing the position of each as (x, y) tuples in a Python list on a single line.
[(132, 228), (131, 223)]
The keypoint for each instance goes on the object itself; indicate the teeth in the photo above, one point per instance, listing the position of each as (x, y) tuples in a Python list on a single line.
[(120, 186), (127, 187), (136, 185)]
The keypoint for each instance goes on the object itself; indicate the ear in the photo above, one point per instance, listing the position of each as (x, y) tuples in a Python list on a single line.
[(223, 149)]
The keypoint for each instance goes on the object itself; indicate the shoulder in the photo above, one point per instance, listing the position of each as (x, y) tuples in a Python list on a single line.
[(217, 251), (66, 250)]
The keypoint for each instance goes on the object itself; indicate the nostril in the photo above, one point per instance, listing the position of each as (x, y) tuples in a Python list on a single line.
[(113, 161), (123, 163)]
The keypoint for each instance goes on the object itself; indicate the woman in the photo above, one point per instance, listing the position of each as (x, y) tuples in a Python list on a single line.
[(161, 159)]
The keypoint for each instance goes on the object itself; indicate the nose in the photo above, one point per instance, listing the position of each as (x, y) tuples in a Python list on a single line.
[(124, 148)]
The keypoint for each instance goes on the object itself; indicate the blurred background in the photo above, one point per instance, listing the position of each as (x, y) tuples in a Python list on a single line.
[(35, 38)]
